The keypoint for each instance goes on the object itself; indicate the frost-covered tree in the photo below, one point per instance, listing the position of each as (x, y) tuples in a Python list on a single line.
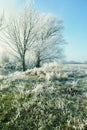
[(20, 34), (36, 31), (49, 39)]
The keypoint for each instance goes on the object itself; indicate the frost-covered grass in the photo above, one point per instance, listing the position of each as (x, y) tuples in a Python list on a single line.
[(53, 97)]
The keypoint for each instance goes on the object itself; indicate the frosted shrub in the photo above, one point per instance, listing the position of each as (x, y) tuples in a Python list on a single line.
[(41, 71), (29, 71), (55, 76), (51, 76), (51, 66), (32, 71)]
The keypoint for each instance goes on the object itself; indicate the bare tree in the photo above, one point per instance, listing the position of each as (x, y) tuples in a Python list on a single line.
[(20, 34), (49, 38)]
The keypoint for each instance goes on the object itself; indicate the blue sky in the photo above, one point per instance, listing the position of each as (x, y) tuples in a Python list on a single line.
[(73, 13), (74, 16)]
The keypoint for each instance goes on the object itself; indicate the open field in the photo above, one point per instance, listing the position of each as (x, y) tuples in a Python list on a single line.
[(53, 97)]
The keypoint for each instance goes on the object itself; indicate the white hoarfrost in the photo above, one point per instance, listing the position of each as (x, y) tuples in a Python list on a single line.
[(48, 73), (17, 75), (64, 86), (51, 76), (38, 89)]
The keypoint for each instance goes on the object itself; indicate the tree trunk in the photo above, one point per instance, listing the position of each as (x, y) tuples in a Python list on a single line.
[(23, 64), (38, 62)]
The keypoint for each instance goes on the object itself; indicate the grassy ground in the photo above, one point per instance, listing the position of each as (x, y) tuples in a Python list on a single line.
[(44, 99)]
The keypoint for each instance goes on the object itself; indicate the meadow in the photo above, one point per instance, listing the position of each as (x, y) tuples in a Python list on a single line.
[(53, 97)]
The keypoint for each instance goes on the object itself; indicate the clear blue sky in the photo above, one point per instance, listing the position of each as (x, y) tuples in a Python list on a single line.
[(73, 13), (74, 16)]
